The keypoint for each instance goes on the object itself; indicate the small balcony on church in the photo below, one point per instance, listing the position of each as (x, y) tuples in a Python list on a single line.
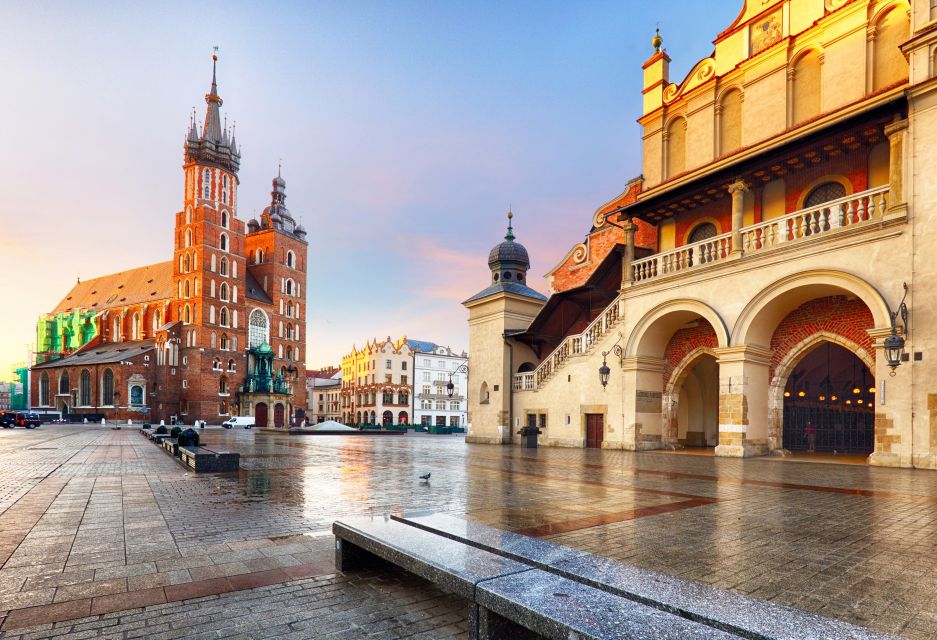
[(842, 180)]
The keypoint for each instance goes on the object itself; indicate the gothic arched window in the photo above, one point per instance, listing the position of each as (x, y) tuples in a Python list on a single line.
[(63, 383), (223, 242), (223, 270), (223, 317), (258, 329), (84, 389), (206, 184), (44, 389), (224, 214), (107, 388)]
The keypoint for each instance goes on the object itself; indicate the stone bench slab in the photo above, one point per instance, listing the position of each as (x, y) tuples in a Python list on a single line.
[(532, 551), (557, 608), (170, 446), (718, 608), (202, 460), (453, 566), (744, 615)]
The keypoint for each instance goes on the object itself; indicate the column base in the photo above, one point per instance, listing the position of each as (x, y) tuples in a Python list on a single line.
[(883, 459), (923, 460), (742, 449), (475, 439)]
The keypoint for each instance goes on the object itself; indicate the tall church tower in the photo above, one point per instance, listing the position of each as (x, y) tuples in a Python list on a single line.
[(209, 265), (507, 306)]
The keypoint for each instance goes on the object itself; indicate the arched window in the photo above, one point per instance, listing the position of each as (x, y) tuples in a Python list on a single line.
[(824, 193), (224, 342), (289, 309), (206, 184), (289, 331), (214, 340), (185, 288), (289, 287), (290, 259), (223, 242), (730, 122), (259, 256), (224, 197), (676, 147), (107, 388), (188, 237), (136, 327), (223, 317), (702, 232), (224, 266), (223, 385), (258, 328), (181, 264), (888, 62), (186, 264), (115, 330), (212, 262), (136, 395), (483, 395), (187, 315), (805, 98), (188, 214), (224, 214), (231, 365), (84, 389), (157, 320), (223, 291), (289, 353), (64, 387), (44, 389)]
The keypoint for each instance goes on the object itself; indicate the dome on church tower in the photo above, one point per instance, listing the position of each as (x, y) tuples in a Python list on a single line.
[(509, 263)]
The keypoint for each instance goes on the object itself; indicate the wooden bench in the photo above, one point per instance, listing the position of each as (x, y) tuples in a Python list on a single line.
[(507, 599), (524, 588), (202, 460)]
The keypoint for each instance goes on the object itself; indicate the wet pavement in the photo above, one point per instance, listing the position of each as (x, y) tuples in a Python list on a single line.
[(100, 529)]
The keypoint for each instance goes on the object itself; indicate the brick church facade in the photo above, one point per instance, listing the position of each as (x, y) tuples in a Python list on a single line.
[(216, 331)]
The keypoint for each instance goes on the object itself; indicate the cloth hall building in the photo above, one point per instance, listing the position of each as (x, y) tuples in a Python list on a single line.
[(741, 290), (213, 332)]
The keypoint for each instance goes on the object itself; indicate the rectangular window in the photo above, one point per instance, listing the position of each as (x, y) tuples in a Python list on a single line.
[(426, 376), (403, 379), (387, 364), (403, 365), (426, 390)]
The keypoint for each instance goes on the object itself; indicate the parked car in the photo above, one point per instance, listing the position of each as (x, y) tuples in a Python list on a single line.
[(20, 419), (245, 422), (7, 419)]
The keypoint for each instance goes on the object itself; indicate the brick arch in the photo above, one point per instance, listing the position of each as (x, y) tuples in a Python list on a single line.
[(844, 320), (676, 371), (653, 333)]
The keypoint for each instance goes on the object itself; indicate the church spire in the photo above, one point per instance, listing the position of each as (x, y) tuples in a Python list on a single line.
[(211, 131), (510, 235)]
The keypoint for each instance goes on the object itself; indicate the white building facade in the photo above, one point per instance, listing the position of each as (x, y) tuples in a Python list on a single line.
[(433, 367)]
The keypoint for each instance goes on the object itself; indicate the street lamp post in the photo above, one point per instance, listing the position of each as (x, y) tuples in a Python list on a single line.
[(894, 343)]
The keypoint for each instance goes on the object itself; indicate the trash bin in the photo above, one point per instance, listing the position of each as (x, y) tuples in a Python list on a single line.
[(529, 437)]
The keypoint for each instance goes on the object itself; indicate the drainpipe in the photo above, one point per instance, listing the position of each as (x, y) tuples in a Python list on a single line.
[(510, 386)]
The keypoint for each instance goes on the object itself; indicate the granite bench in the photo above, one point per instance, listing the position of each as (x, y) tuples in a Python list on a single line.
[(202, 460), (728, 611), (507, 599), (169, 445)]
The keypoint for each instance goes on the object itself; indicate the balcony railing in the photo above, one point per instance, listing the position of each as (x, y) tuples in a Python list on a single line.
[(571, 346), (862, 208)]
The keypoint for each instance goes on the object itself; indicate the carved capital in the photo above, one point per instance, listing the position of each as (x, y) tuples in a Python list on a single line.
[(738, 186)]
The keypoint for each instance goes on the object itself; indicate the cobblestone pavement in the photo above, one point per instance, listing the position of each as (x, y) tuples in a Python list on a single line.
[(102, 523)]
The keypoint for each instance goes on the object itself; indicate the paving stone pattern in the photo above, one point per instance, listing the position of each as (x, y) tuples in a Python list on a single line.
[(95, 521)]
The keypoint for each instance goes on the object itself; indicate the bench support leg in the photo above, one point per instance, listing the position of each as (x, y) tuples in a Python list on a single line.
[(487, 625), (349, 557)]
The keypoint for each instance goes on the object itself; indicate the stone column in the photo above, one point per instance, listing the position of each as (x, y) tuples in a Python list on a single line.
[(737, 190), (743, 401), (643, 382), (897, 132), (627, 277)]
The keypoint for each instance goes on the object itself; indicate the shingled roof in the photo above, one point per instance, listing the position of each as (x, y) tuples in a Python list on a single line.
[(108, 353), (144, 284)]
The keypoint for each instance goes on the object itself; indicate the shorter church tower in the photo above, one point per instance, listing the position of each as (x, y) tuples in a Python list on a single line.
[(506, 307)]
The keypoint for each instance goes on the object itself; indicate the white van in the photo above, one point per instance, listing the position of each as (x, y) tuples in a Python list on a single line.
[(244, 422)]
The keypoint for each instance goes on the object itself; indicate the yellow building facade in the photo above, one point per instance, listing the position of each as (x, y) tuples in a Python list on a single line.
[(741, 290)]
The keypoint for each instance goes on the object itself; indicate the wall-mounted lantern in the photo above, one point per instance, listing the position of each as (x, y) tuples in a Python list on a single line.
[(894, 343)]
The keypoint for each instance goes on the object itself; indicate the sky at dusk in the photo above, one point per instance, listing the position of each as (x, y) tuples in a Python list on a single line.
[(406, 129)]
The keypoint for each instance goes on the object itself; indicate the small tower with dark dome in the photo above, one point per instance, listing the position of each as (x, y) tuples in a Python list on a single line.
[(504, 308)]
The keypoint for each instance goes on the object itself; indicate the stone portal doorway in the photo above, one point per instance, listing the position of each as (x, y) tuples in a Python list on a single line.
[(595, 430), (832, 389), (278, 415), (260, 415)]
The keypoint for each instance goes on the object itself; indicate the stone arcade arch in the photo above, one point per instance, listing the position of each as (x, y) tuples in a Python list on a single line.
[(691, 400), (763, 363), (662, 350)]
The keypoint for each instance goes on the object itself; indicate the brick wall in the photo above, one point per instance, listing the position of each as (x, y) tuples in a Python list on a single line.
[(839, 315), (683, 342)]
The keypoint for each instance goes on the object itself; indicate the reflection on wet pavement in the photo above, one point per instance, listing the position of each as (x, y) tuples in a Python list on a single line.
[(110, 511)]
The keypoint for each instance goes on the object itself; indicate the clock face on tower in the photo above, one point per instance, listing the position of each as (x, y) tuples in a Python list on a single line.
[(766, 31)]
